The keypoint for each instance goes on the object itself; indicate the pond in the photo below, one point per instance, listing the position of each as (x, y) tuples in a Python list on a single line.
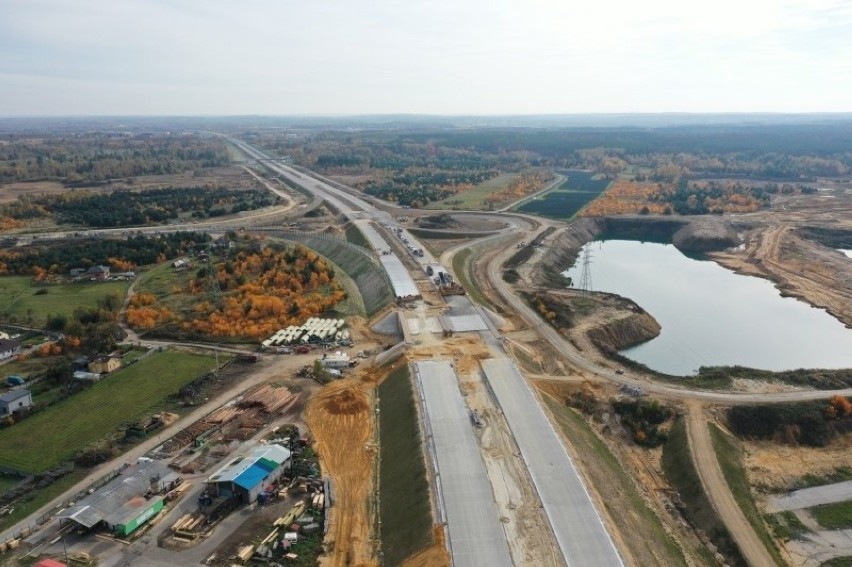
[(711, 316)]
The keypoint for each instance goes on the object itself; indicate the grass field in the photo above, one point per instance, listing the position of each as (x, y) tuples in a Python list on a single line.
[(620, 496), (569, 198), (474, 199), (7, 482), (461, 267), (403, 486), (354, 236), (729, 454), (56, 434), (681, 474), (40, 497), (18, 302), (835, 516)]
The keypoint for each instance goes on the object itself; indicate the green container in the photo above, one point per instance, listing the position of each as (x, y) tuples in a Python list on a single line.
[(144, 515)]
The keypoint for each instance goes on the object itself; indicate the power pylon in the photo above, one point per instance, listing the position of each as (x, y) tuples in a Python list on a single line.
[(586, 274)]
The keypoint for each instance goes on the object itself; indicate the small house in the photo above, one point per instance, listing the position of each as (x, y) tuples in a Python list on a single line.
[(76, 272), (338, 360), (9, 348), (15, 400), (104, 364), (98, 272)]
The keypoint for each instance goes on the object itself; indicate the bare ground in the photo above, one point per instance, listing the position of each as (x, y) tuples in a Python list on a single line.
[(341, 419), (774, 467), (799, 268)]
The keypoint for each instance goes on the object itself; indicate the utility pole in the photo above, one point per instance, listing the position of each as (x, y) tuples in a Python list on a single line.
[(586, 275)]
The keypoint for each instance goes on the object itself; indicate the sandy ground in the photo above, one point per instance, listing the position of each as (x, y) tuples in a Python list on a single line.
[(775, 467), (798, 267), (341, 420), (433, 556)]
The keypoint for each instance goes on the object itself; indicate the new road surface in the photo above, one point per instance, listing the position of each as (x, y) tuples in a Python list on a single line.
[(576, 524), (476, 535)]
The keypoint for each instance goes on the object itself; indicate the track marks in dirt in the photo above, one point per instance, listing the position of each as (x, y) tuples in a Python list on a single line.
[(343, 427), (718, 491)]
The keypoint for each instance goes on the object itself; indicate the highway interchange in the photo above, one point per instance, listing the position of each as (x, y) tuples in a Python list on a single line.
[(577, 526), (360, 210)]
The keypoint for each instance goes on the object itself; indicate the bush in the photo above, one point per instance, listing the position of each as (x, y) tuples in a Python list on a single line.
[(810, 423)]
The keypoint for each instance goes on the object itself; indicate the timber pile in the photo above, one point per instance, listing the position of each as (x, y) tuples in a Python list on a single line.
[(216, 419), (269, 399)]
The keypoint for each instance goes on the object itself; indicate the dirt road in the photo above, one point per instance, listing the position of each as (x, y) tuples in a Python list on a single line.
[(713, 481), (341, 419)]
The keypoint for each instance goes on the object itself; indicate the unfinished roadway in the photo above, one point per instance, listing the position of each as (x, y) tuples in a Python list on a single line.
[(476, 536), (579, 529)]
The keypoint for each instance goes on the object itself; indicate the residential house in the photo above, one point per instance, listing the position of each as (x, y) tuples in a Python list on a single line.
[(75, 272), (104, 364), (15, 400), (98, 272), (9, 348)]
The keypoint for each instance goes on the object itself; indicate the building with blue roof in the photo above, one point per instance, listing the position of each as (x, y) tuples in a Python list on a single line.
[(246, 476)]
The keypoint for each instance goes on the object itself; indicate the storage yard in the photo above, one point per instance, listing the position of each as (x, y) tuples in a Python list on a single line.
[(314, 331)]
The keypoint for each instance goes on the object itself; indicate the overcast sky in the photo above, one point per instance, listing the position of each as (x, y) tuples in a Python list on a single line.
[(281, 57)]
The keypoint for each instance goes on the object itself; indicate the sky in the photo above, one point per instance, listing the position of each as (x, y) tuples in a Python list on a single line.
[(456, 57)]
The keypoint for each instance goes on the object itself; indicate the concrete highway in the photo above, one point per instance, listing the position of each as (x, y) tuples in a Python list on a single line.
[(578, 527), (476, 535)]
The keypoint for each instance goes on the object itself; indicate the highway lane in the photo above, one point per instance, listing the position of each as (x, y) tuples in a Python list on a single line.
[(476, 536), (578, 527)]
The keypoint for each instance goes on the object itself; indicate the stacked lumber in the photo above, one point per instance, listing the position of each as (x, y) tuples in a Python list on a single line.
[(269, 398)]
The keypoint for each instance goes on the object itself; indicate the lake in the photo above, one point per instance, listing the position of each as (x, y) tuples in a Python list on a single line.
[(711, 316)]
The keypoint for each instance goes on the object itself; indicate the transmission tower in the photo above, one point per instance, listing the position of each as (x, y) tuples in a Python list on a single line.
[(586, 275)]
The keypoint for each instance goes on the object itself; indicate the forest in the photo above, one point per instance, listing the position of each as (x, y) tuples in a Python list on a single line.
[(137, 208), (90, 158), (417, 165), (688, 197), (251, 294), (58, 258)]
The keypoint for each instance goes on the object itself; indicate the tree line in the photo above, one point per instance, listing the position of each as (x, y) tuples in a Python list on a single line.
[(59, 258), (132, 208), (94, 158)]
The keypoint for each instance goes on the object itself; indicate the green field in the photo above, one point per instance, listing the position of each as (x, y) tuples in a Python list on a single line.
[(461, 267), (18, 302), (474, 199), (7, 482), (403, 487), (40, 497), (836, 516), (568, 199), (56, 434)]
